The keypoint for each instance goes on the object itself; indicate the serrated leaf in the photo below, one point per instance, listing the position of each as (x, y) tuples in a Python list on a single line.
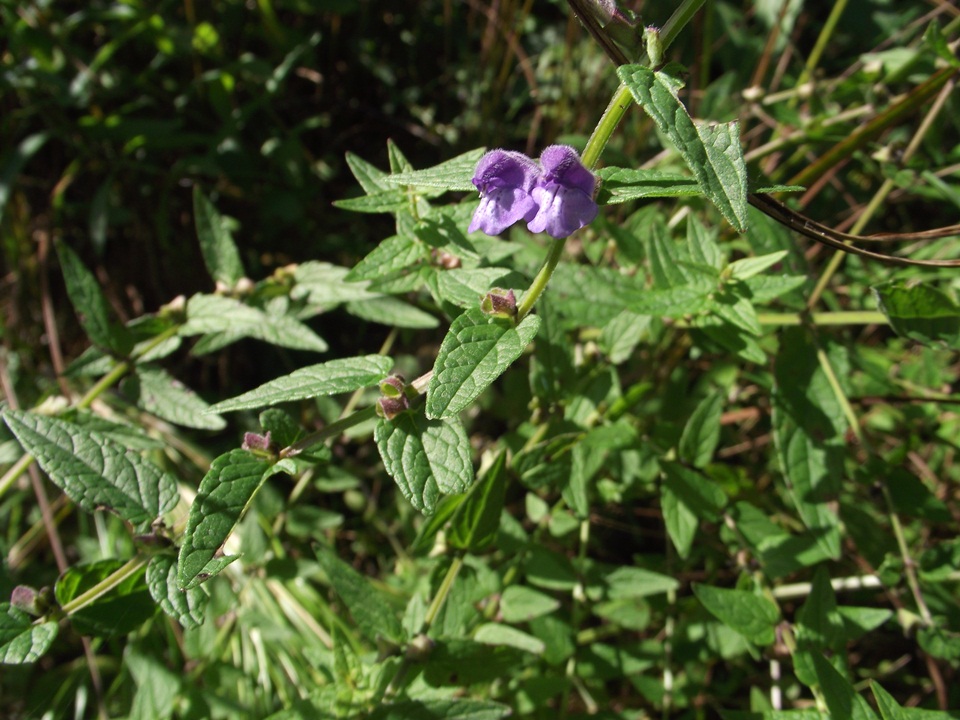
[(395, 253), (370, 177), (21, 641), (453, 174), (373, 615), (712, 152), (748, 267), (215, 315), (160, 394), (322, 286), (329, 378), (393, 312), (465, 288), (475, 352), (674, 302), (808, 430), (476, 522), (920, 312), (220, 253), (425, 457), (618, 185), (184, 606), (123, 609), (592, 296), (90, 304), (752, 616), (382, 201), (93, 470), (223, 496), (701, 434)]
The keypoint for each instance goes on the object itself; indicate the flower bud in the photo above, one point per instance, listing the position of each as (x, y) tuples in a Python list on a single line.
[(389, 407), (253, 441), (500, 303), (651, 36), (27, 599), (393, 386)]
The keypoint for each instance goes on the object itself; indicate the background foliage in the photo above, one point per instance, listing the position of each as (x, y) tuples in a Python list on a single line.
[(725, 463)]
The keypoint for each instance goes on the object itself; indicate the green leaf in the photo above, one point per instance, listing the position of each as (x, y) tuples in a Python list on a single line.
[(819, 625), (160, 394), (619, 185), (13, 162), (370, 177), (629, 583), (475, 352), (220, 253), (121, 610), (676, 302), (752, 616), (323, 286), (458, 709), (425, 457), (465, 288), (748, 267), (712, 152), (20, 640), (687, 497), (454, 174), (842, 700), (215, 314), (223, 496), (392, 312), (329, 378), (505, 635), (90, 304), (476, 522), (519, 603), (920, 312), (808, 431), (373, 615), (94, 471), (701, 434), (184, 606), (395, 253), (889, 708), (383, 201)]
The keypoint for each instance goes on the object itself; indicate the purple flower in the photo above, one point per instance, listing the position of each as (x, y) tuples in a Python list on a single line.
[(505, 180), (564, 193)]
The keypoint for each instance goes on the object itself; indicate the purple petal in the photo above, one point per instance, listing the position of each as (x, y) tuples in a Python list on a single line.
[(562, 165), (500, 208), (505, 168), (562, 211)]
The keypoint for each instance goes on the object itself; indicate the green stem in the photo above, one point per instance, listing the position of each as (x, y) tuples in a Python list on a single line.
[(444, 590), (331, 430), (825, 34), (839, 317), (540, 281), (14, 472), (616, 109), (113, 580), (681, 16)]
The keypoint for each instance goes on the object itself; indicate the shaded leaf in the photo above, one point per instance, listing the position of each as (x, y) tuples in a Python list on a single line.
[(752, 616), (220, 253), (184, 606), (162, 395), (476, 522), (920, 312), (121, 610), (373, 615)]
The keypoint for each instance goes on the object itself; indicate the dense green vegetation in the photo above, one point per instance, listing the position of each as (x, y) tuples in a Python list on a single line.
[(702, 466)]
